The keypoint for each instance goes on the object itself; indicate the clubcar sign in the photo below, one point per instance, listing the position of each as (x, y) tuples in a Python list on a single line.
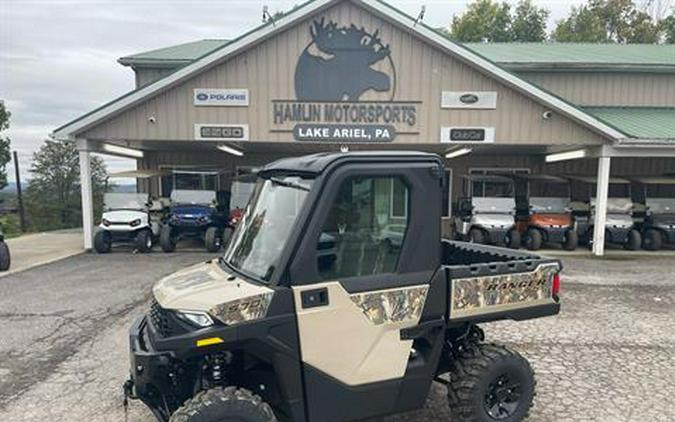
[(345, 89), (221, 97)]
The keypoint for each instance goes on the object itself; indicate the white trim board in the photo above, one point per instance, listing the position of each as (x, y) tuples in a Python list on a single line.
[(389, 13)]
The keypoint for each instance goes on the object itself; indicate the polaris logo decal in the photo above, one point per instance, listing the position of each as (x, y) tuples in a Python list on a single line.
[(221, 97)]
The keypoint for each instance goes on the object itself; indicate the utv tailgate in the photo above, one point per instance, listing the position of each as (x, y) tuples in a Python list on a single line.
[(488, 283)]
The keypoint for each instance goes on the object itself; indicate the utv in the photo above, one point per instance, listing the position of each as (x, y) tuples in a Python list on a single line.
[(128, 218), (656, 199), (543, 213), (486, 215), (193, 213), (620, 227), (5, 256), (275, 331)]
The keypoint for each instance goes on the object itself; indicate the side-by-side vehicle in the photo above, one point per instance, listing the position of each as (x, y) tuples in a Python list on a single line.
[(338, 300), (485, 214)]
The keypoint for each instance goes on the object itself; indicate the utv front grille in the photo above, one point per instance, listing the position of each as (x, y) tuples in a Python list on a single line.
[(160, 319)]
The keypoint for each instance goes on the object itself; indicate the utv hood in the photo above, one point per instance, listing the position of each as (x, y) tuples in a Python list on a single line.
[(123, 216), (202, 287), (192, 211)]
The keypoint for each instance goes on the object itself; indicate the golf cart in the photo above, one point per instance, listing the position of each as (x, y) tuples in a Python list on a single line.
[(543, 213), (619, 226), (486, 215), (193, 213), (655, 197), (5, 257), (128, 218)]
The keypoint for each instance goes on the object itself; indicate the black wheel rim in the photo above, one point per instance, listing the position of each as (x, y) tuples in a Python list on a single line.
[(502, 397)]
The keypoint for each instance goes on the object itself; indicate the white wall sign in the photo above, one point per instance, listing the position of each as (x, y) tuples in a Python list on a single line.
[(218, 132), (467, 135), (469, 99), (221, 97)]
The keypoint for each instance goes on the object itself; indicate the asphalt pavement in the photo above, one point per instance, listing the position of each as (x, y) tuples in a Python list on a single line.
[(609, 355)]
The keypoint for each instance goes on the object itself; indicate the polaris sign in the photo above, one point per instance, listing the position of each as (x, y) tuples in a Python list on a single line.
[(221, 97)]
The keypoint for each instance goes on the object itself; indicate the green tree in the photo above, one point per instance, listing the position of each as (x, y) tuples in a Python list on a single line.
[(529, 22), (668, 29), (53, 199), (484, 20), (582, 25), (5, 143)]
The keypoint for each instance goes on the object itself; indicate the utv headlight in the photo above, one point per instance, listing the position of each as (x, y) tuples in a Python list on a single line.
[(136, 222), (105, 222), (198, 319), (242, 310)]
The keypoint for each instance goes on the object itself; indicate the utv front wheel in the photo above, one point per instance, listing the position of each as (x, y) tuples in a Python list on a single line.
[(571, 240), (513, 239), (634, 240), (652, 240), (224, 405), (103, 242), (212, 240), (476, 236), (490, 383), (166, 240), (533, 239), (5, 258), (144, 241)]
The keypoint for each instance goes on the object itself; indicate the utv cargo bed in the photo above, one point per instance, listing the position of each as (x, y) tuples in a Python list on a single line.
[(487, 283)]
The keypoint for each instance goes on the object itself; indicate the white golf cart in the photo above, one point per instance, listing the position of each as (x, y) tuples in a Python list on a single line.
[(129, 218)]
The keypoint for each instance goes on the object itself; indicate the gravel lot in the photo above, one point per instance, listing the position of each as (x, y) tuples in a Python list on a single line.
[(609, 356)]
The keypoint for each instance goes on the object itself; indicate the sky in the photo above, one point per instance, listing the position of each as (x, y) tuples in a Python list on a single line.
[(58, 57)]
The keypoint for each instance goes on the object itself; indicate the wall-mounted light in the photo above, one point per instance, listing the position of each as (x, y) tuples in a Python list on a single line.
[(454, 153), (129, 152), (568, 155), (228, 149)]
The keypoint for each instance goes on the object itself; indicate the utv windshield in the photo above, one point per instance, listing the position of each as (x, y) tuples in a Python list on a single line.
[(193, 197), (125, 201), (261, 235)]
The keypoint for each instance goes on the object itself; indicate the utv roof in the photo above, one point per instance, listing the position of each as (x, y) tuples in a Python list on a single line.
[(317, 163), (541, 177), (591, 179), (487, 178), (665, 180)]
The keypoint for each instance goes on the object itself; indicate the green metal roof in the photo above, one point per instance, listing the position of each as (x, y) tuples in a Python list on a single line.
[(563, 56), (639, 122), (176, 54)]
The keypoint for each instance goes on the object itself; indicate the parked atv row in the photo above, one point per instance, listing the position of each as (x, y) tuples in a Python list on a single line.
[(133, 218), (533, 210)]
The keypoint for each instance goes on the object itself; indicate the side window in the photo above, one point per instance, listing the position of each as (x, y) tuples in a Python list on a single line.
[(365, 228)]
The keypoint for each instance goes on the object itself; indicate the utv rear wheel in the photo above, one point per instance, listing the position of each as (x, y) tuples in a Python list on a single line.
[(571, 240), (144, 241), (533, 239), (634, 240), (652, 240), (224, 405), (103, 242), (212, 239), (490, 383), (476, 236), (513, 239), (166, 240), (5, 257), (227, 234)]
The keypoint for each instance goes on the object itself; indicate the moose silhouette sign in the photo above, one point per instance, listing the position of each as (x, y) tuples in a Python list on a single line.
[(340, 66), (347, 73)]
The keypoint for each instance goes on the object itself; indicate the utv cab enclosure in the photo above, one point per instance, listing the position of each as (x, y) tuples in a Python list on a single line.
[(655, 198), (543, 213), (486, 212), (620, 227), (193, 213), (315, 314)]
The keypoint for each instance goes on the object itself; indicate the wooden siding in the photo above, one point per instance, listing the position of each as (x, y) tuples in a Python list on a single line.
[(267, 70), (608, 89), (147, 75)]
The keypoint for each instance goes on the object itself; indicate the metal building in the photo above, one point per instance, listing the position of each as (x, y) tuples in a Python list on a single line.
[(363, 75)]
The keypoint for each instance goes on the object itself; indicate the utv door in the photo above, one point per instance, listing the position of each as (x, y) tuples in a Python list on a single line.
[(362, 276)]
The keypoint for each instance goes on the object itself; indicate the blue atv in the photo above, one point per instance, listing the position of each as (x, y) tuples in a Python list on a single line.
[(193, 213)]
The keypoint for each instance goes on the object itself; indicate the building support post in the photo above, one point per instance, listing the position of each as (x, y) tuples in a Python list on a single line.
[(87, 196), (601, 206)]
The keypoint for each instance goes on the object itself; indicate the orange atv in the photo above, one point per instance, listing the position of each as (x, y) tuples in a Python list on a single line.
[(543, 213)]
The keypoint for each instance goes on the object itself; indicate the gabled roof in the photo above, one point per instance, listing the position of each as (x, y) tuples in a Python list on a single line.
[(653, 123), (580, 56), (173, 56), (385, 10)]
